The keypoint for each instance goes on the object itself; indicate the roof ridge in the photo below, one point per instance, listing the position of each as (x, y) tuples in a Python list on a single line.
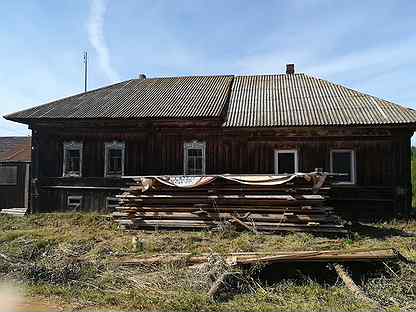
[(186, 76)]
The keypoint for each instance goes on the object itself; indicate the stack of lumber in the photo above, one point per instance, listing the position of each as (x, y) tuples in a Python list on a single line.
[(292, 206), (17, 212)]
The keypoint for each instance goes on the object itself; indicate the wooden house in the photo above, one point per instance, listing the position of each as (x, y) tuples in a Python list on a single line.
[(15, 158), (281, 123)]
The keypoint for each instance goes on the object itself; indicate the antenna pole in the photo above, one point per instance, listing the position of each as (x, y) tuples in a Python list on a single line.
[(85, 70)]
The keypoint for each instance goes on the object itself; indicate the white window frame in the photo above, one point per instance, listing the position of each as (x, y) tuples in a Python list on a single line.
[(353, 168), (193, 145), (113, 145), (76, 197), (285, 151), (72, 145), (109, 206)]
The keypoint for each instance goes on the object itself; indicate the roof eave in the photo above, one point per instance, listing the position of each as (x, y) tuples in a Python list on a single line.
[(410, 125), (10, 117)]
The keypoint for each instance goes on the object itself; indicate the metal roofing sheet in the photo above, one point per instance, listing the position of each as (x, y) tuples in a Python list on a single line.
[(250, 101), (173, 97), (302, 100)]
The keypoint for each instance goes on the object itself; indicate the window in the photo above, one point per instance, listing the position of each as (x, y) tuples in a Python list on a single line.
[(74, 203), (8, 175), (343, 161), (286, 161), (72, 159), (114, 159), (194, 158), (111, 203)]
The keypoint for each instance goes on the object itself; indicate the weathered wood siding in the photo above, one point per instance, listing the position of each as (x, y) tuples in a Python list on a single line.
[(382, 160)]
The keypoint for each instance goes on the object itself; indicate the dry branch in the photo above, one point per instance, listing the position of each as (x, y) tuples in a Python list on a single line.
[(216, 286), (353, 287)]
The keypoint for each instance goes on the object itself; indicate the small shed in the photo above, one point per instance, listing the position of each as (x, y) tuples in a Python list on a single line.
[(15, 161)]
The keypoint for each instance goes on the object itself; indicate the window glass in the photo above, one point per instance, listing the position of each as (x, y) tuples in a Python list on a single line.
[(72, 159), (8, 175), (194, 158), (342, 162), (114, 158), (286, 161)]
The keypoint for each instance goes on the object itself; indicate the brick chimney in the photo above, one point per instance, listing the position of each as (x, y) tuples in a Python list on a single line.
[(142, 76), (290, 68)]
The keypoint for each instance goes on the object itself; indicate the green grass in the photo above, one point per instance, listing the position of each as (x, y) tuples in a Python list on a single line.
[(67, 257)]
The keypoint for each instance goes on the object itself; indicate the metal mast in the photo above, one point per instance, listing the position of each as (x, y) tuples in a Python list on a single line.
[(85, 70)]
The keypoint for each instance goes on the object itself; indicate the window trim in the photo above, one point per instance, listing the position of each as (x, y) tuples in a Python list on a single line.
[(72, 145), (78, 197), (353, 166), (194, 145), (107, 204), (113, 145), (285, 151)]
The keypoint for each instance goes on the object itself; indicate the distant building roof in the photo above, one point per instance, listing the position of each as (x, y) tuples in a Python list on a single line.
[(239, 101), (15, 149)]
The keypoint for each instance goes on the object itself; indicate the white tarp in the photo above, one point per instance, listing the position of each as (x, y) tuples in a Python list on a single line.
[(317, 180)]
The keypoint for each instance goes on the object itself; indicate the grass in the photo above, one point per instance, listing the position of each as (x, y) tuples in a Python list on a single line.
[(67, 257)]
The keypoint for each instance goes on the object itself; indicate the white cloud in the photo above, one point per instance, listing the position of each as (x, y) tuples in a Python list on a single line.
[(96, 37), (394, 54)]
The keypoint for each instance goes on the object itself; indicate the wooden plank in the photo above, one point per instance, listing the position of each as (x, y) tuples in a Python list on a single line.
[(243, 209), (198, 224), (326, 256), (227, 216), (222, 201), (249, 258)]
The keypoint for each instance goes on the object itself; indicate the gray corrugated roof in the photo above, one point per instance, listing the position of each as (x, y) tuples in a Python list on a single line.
[(302, 100), (174, 97), (15, 148), (254, 101)]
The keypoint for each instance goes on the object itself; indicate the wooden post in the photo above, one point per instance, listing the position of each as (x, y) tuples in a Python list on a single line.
[(35, 196), (27, 185)]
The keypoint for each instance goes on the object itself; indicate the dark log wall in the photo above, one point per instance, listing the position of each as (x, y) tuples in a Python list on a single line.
[(382, 160)]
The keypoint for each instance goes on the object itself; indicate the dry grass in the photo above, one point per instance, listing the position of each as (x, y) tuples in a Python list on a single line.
[(67, 257)]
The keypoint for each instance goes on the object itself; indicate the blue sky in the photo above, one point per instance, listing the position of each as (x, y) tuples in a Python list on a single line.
[(366, 45)]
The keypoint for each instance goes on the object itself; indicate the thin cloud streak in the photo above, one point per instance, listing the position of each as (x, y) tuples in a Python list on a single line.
[(96, 38)]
